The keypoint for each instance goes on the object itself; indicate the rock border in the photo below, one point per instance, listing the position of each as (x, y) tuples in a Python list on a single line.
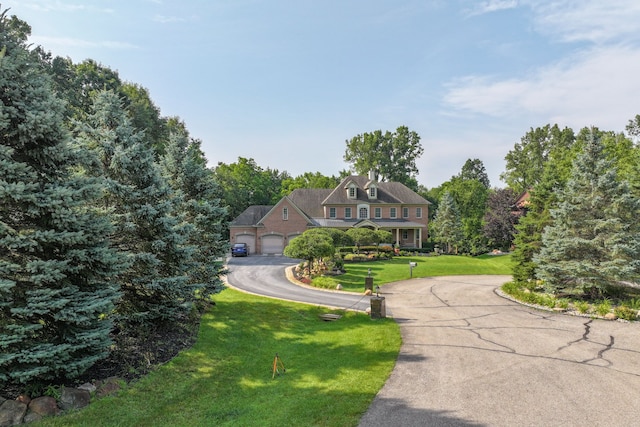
[(24, 409)]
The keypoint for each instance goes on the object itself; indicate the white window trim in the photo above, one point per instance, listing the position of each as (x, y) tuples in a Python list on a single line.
[(348, 216), (405, 212), (377, 213), (352, 192), (418, 212), (393, 213), (333, 213), (285, 214)]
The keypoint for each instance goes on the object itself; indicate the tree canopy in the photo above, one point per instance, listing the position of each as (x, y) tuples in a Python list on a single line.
[(390, 155)]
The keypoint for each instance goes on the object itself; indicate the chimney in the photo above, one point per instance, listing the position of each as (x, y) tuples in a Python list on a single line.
[(372, 175)]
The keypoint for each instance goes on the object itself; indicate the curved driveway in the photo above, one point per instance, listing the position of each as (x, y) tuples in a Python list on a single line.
[(264, 275), (472, 358)]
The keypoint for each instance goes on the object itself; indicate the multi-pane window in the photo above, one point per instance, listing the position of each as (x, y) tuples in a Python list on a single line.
[(363, 213), (405, 212), (332, 212), (352, 192), (418, 212), (285, 214), (377, 212), (392, 213), (372, 192), (405, 234), (347, 212)]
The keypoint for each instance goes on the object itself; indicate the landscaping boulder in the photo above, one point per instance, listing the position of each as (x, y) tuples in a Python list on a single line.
[(108, 387), (44, 406), (12, 413), (73, 398)]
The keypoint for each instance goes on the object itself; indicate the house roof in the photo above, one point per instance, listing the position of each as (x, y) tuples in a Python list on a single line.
[(296, 207), (251, 216), (309, 200), (388, 193)]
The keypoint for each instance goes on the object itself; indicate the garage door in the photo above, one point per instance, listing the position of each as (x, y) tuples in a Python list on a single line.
[(249, 240), (272, 244)]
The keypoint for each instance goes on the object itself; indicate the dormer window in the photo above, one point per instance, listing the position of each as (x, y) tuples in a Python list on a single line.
[(351, 192), (372, 192)]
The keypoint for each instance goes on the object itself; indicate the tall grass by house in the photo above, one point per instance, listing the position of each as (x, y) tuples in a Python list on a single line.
[(333, 371)]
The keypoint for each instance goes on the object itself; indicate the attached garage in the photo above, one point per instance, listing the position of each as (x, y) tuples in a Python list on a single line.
[(249, 239), (272, 244)]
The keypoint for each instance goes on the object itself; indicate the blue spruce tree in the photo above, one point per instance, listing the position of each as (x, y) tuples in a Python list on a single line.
[(156, 287), (184, 167), (593, 242), (56, 266)]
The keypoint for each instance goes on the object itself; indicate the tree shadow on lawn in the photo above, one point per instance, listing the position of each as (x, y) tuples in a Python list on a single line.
[(228, 375)]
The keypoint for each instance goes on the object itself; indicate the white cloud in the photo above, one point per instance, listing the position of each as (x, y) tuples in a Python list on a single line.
[(596, 87), (595, 21), (490, 6), (61, 6), (167, 19)]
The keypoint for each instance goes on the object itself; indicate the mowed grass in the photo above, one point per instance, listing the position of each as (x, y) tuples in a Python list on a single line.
[(333, 371), (397, 269)]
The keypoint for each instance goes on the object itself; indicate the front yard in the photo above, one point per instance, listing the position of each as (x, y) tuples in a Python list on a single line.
[(398, 268)]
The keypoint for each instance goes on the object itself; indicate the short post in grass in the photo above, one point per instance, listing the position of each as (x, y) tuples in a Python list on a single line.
[(277, 365), (412, 265)]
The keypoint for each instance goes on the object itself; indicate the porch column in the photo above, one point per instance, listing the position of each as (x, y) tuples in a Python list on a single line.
[(419, 234), (398, 237)]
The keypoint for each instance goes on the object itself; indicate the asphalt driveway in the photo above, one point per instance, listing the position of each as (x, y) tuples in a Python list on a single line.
[(472, 358), (264, 275)]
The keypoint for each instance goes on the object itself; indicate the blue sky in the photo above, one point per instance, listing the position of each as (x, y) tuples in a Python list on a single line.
[(287, 82)]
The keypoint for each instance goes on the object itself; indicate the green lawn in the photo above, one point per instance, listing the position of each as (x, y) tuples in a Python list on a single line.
[(333, 371), (397, 269)]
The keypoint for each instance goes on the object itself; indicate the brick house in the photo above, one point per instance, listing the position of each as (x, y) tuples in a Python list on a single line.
[(358, 201)]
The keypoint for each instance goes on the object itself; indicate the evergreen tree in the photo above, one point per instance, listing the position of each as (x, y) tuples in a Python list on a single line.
[(447, 226), (184, 166), (593, 242), (56, 295), (156, 286), (543, 198)]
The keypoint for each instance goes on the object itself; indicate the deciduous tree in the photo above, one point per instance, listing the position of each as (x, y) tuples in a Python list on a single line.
[(525, 163), (499, 219), (391, 155), (310, 245)]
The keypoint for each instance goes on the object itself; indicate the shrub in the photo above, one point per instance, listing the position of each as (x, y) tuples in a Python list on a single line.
[(633, 303), (604, 307), (626, 313), (325, 282), (582, 306), (562, 303)]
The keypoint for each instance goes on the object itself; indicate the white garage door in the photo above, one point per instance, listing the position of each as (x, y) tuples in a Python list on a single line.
[(272, 244), (249, 240)]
